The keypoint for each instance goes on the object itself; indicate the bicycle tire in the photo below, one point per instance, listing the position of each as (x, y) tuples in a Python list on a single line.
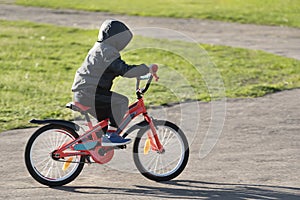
[(164, 129), (42, 144)]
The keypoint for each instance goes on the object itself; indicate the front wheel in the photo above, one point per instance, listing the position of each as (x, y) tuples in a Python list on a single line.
[(166, 165), (39, 160)]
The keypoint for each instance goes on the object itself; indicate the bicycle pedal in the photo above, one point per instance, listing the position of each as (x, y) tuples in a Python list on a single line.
[(121, 147), (88, 160)]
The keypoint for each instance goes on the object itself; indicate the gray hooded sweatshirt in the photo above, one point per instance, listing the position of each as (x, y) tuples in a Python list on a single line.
[(103, 63)]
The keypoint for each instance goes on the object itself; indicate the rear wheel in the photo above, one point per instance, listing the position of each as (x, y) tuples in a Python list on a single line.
[(166, 165), (40, 162)]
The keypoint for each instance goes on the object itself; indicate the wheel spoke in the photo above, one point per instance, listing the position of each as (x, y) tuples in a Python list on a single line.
[(161, 164), (41, 162), (170, 137), (149, 163), (166, 139), (156, 163)]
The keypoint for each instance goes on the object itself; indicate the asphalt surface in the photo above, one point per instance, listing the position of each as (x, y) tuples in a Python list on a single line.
[(256, 157)]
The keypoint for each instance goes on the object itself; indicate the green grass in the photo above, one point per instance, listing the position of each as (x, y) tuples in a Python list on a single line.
[(269, 12), (38, 63)]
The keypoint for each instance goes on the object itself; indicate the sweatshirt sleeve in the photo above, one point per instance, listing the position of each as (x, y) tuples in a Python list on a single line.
[(119, 67)]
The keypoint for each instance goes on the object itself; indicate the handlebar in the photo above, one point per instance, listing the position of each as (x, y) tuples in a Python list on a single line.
[(140, 92)]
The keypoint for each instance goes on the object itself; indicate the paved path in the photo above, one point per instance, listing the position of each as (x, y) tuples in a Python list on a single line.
[(256, 157), (278, 40)]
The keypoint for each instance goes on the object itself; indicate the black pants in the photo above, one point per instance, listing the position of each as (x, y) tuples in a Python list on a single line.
[(105, 104), (111, 105)]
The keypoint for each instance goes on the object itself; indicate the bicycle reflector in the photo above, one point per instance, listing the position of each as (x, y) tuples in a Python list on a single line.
[(147, 146), (67, 164)]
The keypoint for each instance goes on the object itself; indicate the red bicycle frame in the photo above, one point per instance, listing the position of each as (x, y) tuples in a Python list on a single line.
[(134, 110)]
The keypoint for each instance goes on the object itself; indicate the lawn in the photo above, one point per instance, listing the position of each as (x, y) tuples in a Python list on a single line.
[(38, 63), (268, 12)]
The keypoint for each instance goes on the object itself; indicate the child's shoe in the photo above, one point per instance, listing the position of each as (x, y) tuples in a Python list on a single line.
[(113, 139)]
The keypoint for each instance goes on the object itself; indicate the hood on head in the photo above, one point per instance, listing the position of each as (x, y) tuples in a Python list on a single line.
[(114, 33)]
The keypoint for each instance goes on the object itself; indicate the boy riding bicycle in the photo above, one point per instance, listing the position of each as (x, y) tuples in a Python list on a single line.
[(94, 79)]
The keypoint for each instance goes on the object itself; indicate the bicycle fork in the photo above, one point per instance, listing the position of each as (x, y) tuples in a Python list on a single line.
[(153, 139)]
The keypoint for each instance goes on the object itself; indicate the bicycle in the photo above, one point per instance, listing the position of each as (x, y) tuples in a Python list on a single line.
[(160, 149)]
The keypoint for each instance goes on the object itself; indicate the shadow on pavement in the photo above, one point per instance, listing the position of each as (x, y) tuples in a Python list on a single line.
[(186, 189)]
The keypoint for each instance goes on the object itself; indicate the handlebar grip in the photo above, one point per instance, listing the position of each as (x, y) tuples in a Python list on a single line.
[(145, 77)]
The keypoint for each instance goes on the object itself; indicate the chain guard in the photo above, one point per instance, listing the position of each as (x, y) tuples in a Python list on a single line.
[(102, 155)]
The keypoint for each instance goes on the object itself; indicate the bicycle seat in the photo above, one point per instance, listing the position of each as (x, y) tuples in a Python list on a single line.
[(77, 107)]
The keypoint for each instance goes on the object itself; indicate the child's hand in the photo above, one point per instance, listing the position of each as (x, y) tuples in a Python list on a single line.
[(153, 69)]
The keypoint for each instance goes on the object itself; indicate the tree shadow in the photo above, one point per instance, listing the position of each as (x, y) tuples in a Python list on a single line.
[(190, 189)]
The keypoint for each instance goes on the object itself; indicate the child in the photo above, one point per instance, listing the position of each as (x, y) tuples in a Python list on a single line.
[(94, 79)]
